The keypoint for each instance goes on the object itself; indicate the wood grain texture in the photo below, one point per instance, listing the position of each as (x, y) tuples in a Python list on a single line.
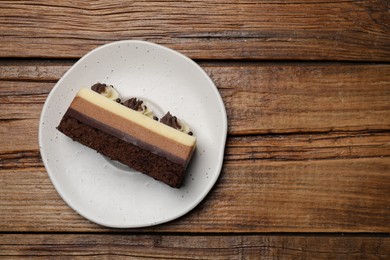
[(279, 99), (304, 147), (250, 160), (260, 98), (332, 177), (308, 148), (344, 195), (278, 30), (193, 247)]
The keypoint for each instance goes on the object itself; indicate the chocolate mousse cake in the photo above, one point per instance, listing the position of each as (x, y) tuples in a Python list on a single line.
[(129, 132)]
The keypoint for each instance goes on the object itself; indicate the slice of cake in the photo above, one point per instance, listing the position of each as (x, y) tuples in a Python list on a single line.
[(132, 137)]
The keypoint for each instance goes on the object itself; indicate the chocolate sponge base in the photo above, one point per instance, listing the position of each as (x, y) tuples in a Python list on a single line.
[(129, 154)]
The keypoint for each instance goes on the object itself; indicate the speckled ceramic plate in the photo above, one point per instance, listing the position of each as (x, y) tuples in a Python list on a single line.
[(109, 193)]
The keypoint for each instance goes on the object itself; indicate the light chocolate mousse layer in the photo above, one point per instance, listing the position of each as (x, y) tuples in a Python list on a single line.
[(122, 123)]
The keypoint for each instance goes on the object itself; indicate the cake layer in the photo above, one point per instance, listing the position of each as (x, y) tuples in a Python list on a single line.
[(142, 160), (131, 126)]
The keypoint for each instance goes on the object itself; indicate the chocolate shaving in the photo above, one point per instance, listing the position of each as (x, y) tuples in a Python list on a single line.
[(170, 120), (134, 104), (99, 87)]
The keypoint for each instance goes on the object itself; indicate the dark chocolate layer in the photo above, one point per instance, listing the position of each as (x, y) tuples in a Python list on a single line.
[(115, 148)]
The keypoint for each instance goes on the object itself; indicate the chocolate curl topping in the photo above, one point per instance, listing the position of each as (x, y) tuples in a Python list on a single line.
[(99, 87), (134, 104), (170, 120)]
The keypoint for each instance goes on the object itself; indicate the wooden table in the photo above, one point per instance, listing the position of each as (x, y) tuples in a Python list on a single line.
[(306, 86)]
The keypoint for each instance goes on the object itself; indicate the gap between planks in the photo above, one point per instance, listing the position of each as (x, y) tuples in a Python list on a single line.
[(121, 232)]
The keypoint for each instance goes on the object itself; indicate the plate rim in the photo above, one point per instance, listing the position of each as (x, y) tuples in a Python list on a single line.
[(212, 181)]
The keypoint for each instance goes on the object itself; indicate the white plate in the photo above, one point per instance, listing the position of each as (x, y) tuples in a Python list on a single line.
[(115, 196)]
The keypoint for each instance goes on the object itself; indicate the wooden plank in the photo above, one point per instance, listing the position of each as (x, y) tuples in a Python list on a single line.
[(302, 147), (260, 97), (293, 30), (339, 195), (288, 98), (194, 247)]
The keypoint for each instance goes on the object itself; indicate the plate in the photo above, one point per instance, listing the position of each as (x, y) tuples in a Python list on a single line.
[(106, 192)]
